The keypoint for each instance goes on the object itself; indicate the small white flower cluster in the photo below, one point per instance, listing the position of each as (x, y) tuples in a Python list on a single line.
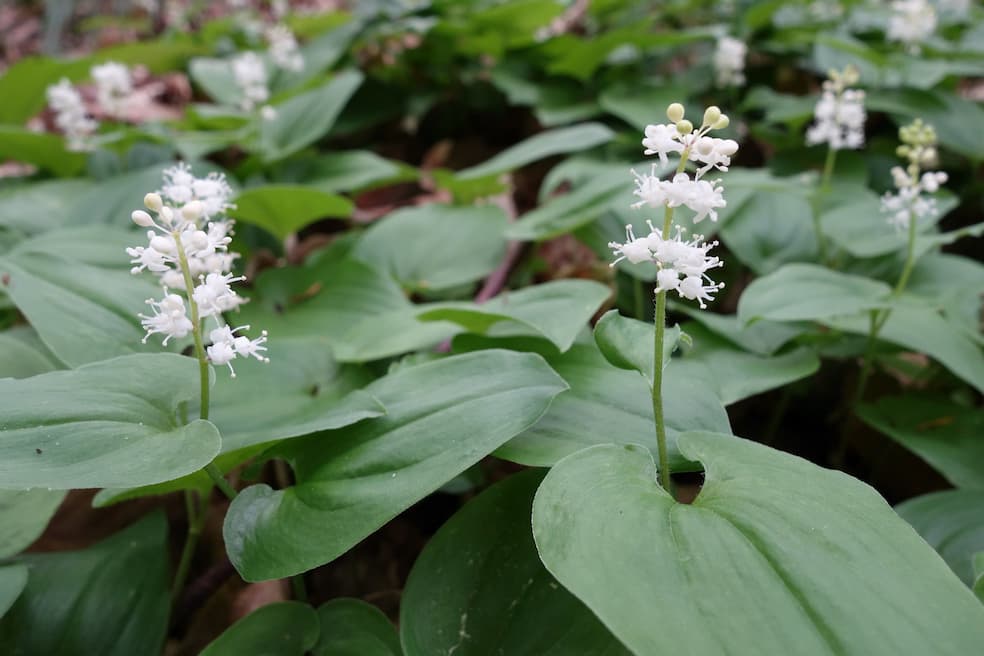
[(683, 264), (250, 75), (839, 113), (188, 241), (113, 87), (909, 204), (911, 23), (70, 115), (729, 61), (283, 48)]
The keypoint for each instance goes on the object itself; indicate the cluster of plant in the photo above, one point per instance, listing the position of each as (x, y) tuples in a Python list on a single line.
[(544, 259)]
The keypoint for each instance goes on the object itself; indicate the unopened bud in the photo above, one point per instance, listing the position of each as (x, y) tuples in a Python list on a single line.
[(142, 219), (684, 127), (722, 122), (711, 115), (192, 211), (675, 112), (153, 202)]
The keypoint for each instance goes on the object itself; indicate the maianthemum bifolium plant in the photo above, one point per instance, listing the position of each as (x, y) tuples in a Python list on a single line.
[(558, 401)]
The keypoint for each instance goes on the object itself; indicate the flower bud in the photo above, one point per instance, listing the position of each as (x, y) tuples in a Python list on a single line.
[(192, 211), (711, 115), (684, 127), (675, 112), (722, 122), (142, 219), (153, 202)]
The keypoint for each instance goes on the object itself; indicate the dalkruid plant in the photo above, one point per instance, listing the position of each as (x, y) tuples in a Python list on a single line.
[(435, 328)]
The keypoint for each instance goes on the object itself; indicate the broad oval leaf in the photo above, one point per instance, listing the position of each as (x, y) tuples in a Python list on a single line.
[(13, 579), (24, 514), (944, 434), (442, 417), (479, 589), (351, 627), (82, 313), (108, 424), (951, 522), (287, 628), (283, 209), (306, 117), (558, 310), (110, 599), (552, 142), (435, 247), (630, 344), (798, 292), (775, 556)]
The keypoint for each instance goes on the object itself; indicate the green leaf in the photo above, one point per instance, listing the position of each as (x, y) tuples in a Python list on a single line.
[(306, 117), (302, 390), (351, 627), (47, 151), (435, 247), (734, 373), (762, 337), (951, 523), (107, 424), (286, 628), (442, 418), (557, 310), (560, 141), (774, 556), (40, 206), (953, 283), (860, 228), (110, 599), (629, 343), (82, 313), (923, 329), (605, 404), (944, 434), (24, 515), (798, 292), (479, 589), (13, 579), (215, 77), (640, 107), (353, 169), (361, 312), (956, 119), (284, 209), (571, 210), (22, 354)]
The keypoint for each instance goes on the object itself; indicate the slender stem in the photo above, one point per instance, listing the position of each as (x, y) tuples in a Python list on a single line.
[(196, 325), (298, 587), (828, 171), (658, 336), (879, 318), (196, 521)]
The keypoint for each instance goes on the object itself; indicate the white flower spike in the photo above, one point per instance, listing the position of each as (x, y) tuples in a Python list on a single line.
[(189, 239), (839, 114), (683, 264), (910, 204), (70, 115)]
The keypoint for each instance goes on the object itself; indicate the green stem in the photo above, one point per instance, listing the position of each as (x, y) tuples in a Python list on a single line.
[(879, 318), (196, 521), (828, 171), (658, 337)]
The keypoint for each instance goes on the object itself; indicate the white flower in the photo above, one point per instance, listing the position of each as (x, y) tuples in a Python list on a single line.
[(268, 112), (662, 139), (70, 115), (169, 318), (912, 22), (283, 48), (251, 77), (113, 86), (182, 187), (729, 62), (839, 114), (701, 196), (713, 153), (226, 346), (214, 295), (635, 250)]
